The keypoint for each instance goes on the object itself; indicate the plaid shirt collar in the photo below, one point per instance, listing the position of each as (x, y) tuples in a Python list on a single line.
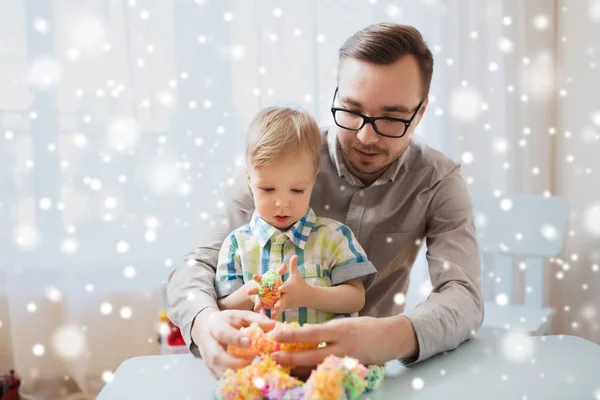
[(298, 233)]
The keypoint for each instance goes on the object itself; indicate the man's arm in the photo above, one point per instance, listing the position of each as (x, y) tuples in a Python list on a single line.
[(191, 285), (454, 310)]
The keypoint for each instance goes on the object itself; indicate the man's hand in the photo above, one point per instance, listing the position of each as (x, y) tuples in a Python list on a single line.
[(293, 291), (370, 340), (213, 330)]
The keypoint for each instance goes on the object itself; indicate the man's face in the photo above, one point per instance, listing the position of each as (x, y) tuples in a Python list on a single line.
[(377, 91)]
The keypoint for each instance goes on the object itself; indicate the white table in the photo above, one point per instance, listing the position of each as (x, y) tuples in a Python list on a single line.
[(550, 367)]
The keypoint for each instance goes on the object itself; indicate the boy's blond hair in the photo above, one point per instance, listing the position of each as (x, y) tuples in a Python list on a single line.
[(279, 131)]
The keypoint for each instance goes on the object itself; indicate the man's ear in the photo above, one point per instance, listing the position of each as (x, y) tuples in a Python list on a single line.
[(422, 110)]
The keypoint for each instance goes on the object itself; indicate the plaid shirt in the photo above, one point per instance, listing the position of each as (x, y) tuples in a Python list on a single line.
[(328, 254)]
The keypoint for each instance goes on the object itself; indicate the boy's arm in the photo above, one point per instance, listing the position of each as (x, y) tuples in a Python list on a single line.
[(345, 298), (238, 300)]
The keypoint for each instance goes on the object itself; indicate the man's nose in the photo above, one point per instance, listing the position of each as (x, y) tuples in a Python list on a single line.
[(367, 134)]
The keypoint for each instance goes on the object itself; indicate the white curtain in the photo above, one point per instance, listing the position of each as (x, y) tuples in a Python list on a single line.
[(122, 124)]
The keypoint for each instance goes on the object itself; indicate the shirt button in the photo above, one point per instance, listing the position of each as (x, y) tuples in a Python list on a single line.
[(361, 193)]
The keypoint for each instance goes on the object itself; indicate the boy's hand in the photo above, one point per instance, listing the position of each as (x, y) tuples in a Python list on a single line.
[(293, 291), (251, 288)]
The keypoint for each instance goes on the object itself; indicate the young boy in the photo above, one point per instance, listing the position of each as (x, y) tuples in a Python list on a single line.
[(328, 269)]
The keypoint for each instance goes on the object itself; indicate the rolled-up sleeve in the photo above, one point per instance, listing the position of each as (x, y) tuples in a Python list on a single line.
[(191, 286), (453, 311), (349, 260)]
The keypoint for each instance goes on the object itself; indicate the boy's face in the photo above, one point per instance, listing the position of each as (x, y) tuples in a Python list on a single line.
[(282, 189)]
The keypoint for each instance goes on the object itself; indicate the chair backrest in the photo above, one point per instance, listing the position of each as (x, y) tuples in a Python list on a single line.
[(520, 225)]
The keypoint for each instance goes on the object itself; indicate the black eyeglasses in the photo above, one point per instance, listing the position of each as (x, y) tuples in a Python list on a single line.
[(384, 126)]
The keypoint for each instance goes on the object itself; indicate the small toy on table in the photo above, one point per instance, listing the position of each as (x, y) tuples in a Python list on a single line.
[(268, 289), (9, 386)]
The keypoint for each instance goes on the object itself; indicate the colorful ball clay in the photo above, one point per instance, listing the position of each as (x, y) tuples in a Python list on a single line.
[(263, 378), (268, 290), (334, 379), (346, 373), (374, 377), (325, 384)]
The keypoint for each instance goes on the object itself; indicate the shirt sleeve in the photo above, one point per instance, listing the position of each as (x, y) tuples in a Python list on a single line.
[(349, 260), (453, 312), (190, 288), (228, 277)]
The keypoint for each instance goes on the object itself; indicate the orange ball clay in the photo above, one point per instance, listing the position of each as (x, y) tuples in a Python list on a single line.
[(263, 343), (292, 346)]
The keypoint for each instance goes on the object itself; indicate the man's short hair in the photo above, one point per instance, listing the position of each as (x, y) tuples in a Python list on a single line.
[(386, 43)]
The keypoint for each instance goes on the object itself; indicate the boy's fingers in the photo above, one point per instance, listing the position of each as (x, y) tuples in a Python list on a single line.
[(281, 270)]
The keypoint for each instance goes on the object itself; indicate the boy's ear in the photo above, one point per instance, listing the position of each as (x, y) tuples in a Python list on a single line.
[(248, 176)]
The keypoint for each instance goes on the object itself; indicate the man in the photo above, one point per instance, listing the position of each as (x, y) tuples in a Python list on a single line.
[(392, 193)]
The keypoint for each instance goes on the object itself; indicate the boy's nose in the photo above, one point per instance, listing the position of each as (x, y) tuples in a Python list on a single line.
[(282, 203)]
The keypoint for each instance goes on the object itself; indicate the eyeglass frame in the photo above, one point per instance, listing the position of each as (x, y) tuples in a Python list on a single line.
[(372, 120)]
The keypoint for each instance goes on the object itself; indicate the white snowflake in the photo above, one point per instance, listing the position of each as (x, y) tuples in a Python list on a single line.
[(393, 11), (129, 272), (501, 299), (517, 346), (426, 288), (38, 350), (465, 104), (506, 204), (150, 236), (541, 22), (107, 376), (591, 219), (88, 32), (505, 45), (123, 134), (69, 342), (399, 298), (537, 78), (53, 294), (125, 312), (594, 10), (500, 145), (595, 117), (40, 25), (106, 308), (45, 72), (467, 157), (27, 236), (417, 383), (122, 247)]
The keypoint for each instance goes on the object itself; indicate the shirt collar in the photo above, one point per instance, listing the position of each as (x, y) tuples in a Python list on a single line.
[(336, 155), (297, 233)]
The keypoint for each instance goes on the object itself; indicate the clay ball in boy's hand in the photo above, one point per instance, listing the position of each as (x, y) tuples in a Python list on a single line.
[(268, 289)]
